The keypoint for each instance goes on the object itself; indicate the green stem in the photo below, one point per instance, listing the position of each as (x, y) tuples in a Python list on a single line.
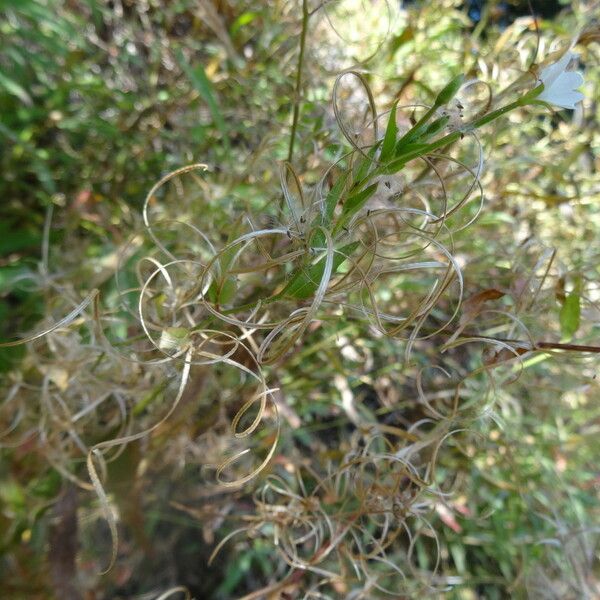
[(445, 141), (296, 114), (400, 161), (496, 113), (452, 137)]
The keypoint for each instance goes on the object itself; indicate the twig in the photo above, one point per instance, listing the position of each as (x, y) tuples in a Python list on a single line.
[(296, 113), (537, 346)]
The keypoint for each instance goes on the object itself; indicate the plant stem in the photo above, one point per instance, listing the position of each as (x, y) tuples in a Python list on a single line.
[(447, 139), (536, 346), (497, 113), (296, 113)]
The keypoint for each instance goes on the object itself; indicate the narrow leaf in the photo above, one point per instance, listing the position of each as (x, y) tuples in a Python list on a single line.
[(306, 281), (450, 90), (570, 315), (389, 141), (408, 153), (331, 201), (435, 127), (14, 88), (333, 198), (222, 291), (201, 82), (365, 164), (355, 202)]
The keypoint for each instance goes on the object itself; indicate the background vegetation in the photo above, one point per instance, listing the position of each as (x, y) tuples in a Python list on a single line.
[(99, 100)]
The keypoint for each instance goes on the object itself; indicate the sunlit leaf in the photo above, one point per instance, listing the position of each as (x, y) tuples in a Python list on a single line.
[(570, 315), (389, 141), (306, 281)]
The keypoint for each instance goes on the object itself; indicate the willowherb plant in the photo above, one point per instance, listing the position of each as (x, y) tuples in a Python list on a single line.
[(215, 310)]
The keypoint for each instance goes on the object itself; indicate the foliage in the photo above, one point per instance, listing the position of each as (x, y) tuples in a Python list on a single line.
[(367, 372)]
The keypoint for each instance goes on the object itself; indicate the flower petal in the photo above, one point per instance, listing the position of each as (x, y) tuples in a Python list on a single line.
[(560, 85), (569, 80), (564, 99), (552, 72)]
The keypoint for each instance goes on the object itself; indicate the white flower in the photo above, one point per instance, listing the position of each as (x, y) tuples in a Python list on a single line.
[(560, 85)]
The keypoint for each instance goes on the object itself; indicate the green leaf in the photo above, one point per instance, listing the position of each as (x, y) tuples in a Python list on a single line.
[(409, 152), (435, 127), (221, 292), (570, 315), (244, 19), (306, 281), (12, 87), (389, 141), (201, 82), (450, 90), (14, 239), (333, 198), (413, 150), (47, 486), (365, 164), (355, 202), (352, 205), (408, 139)]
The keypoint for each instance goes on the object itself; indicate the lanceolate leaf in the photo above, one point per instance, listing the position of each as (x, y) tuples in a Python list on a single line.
[(570, 315), (355, 202), (411, 136), (333, 198), (435, 127), (450, 90), (222, 291), (365, 164), (409, 152), (389, 141), (306, 281)]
